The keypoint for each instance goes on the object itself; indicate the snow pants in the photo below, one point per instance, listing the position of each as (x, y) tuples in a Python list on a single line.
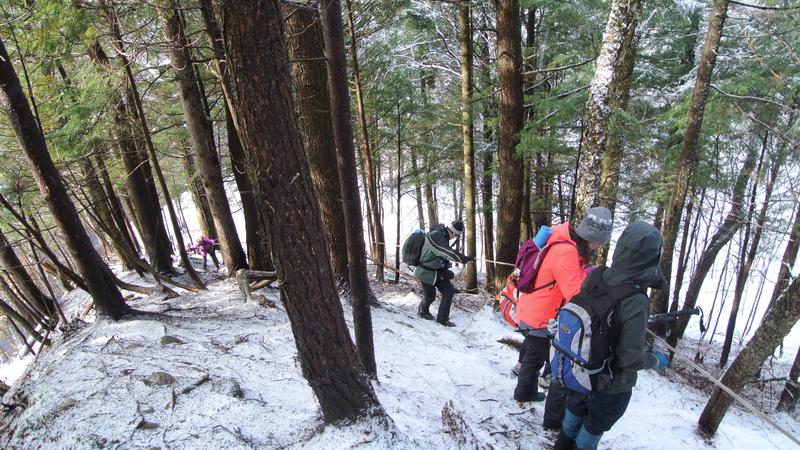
[(554, 405), (588, 416), (448, 291), (535, 351)]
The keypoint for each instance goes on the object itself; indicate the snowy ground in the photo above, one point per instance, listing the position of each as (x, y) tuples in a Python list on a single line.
[(213, 372)]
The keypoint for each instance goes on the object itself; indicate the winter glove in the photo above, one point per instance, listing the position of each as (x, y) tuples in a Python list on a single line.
[(552, 327), (447, 274), (662, 358), (469, 259)]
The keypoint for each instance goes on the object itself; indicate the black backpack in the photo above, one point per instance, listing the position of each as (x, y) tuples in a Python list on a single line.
[(412, 247), (582, 357)]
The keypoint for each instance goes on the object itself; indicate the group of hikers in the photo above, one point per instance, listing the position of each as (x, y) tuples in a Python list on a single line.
[(589, 375)]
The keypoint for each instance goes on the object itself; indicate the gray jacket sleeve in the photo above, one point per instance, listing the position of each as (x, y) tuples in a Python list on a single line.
[(441, 247), (630, 355)]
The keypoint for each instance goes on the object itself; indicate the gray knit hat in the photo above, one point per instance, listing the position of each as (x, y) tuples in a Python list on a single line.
[(596, 226), (456, 228)]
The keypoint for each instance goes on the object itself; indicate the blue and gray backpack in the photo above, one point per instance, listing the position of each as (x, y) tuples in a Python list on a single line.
[(581, 357)]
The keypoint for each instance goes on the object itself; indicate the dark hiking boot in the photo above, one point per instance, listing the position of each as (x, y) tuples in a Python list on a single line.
[(446, 323), (564, 442), (537, 397), (425, 315)]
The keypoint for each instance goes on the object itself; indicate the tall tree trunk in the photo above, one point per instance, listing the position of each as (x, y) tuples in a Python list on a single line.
[(256, 50), (619, 32), (379, 245), (202, 140), (733, 222), (17, 319), (195, 184), (430, 191), (99, 280), (746, 259), (776, 324), (509, 68), (465, 51), (114, 22), (683, 257), (310, 77), (526, 221), (100, 204), (348, 182), (115, 205), (146, 213), (417, 189), (688, 157), (42, 304), (487, 189), (619, 94)]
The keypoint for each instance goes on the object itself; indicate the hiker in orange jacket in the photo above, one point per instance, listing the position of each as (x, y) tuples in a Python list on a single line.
[(559, 278)]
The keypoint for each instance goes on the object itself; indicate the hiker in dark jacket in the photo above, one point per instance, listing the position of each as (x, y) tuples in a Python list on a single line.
[(636, 260), (434, 271)]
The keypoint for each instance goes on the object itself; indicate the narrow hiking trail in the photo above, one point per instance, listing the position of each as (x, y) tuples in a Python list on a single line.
[(207, 370)]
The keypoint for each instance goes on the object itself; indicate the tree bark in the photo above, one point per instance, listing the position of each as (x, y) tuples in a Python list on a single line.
[(430, 191), (465, 51), (256, 50), (310, 77), (791, 392), (348, 182), (195, 184), (379, 245), (418, 189), (147, 213), (509, 68), (688, 157), (487, 189), (139, 114), (619, 94), (107, 298), (733, 222), (115, 206), (202, 140), (619, 32), (42, 304), (776, 324)]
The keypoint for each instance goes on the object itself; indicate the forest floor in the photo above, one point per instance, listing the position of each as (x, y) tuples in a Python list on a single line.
[(210, 371)]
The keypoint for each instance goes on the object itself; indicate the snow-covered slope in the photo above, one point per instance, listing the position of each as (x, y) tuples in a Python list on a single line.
[(208, 371)]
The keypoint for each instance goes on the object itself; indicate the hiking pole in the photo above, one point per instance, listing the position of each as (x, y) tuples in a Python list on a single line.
[(727, 390)]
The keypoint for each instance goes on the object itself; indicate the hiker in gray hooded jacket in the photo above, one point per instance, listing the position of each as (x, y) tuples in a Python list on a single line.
[(434, 271), (636, 260)]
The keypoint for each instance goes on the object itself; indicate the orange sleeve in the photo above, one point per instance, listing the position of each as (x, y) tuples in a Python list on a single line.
[(567, 270)]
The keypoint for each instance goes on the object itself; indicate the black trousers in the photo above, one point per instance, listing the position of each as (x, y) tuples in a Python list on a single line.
[(599, 411), (429, 291), (554, 405), (535, 351)]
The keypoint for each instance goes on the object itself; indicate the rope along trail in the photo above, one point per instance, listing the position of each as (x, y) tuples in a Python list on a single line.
[(728, 390)]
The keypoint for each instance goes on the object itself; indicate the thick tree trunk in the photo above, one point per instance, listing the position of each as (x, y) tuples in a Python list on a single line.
[(691, 137), (612, 157), (107, 298), (774, 327), (202, 140), (256, 50), (378, 245), (509, 68), (619, 32), (310, 76), (733, 222), (465, 51), (348, 182)]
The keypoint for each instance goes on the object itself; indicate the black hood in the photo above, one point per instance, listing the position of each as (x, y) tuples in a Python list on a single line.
[(637, 256)]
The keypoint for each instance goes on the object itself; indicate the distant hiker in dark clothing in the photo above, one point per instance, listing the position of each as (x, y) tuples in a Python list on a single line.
[(636, 259), (434, 271), (559, 278), (205, 247)]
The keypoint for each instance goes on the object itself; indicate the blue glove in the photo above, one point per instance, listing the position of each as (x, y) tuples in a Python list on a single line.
[(662, 358)]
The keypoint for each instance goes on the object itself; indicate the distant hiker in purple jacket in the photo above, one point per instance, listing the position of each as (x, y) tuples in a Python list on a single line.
[(205, 247)]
